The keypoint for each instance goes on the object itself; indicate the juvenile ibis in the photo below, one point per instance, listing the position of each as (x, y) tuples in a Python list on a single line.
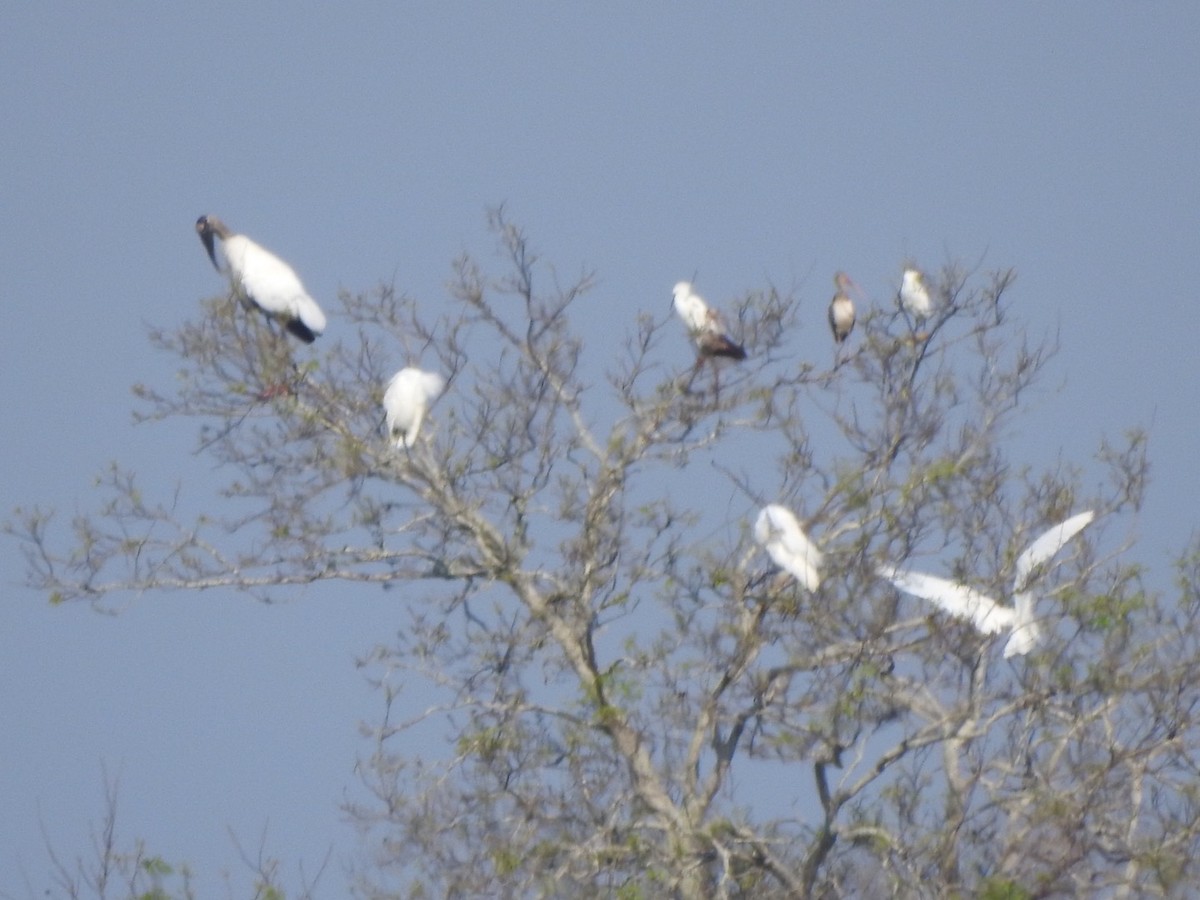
[(914, 295), (983, 612), (409, 394), (704, 325), (841, 308), (777, 530), (263, 280)]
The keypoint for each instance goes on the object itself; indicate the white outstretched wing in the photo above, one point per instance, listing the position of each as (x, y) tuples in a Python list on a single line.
[(1027, 634), (957, 599), (1047, 545), (777, 530)]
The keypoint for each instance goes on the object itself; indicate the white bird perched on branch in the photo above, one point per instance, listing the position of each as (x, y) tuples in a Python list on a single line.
[(777, 530), (841, 308), (263, 280), (704, 325), (983, 612), (409, 394), (914, 295)]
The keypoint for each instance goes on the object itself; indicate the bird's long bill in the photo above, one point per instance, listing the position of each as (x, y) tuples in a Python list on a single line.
[(206, 238), (858, 291)]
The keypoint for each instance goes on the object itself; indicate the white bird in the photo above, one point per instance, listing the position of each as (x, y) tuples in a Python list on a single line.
[(704, 324), (914, 295), (982, 611), (841, 308), (777, 530), (264, 280), (408, 396)]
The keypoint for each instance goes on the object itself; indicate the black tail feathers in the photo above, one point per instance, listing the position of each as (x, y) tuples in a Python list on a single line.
[(300, 330)]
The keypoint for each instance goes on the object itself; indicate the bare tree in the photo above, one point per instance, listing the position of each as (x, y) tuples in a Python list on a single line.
[(632, 701)]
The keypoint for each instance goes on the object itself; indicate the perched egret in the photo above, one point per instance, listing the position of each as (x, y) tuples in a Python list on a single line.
[(264, 280), (914, 295), (408, 397), (983, 612), (841, 308), (777, 530), (704, 325)]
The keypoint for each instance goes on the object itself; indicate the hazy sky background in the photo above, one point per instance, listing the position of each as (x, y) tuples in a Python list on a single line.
[(363, 143)]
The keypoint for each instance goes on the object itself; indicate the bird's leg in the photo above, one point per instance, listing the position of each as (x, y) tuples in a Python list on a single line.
[(284, 386), (687, 387), (914, 325), (284, 376)]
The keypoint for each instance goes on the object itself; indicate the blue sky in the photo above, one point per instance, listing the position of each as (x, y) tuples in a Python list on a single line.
[(649, 142)]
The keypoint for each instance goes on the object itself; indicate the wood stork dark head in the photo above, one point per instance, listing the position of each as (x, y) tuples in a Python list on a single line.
[(206, 227)]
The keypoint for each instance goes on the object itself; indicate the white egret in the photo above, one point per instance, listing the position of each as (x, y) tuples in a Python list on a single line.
[(841, 308), (982, 611), (263, 280), (704, 325), (409, 394), (914, 295), (777, 530)]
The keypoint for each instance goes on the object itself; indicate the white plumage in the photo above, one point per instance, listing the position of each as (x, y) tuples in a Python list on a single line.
[(409, 394), (704, 324), (914, 295), (264, 280), (982, 611), (777, 530), (841, 308)]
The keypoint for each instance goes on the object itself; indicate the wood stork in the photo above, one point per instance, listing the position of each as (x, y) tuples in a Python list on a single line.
[(704, 325), (263, 280), (777, 530), (408, 396), (983, 612), (914, 295), (841, 308)]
